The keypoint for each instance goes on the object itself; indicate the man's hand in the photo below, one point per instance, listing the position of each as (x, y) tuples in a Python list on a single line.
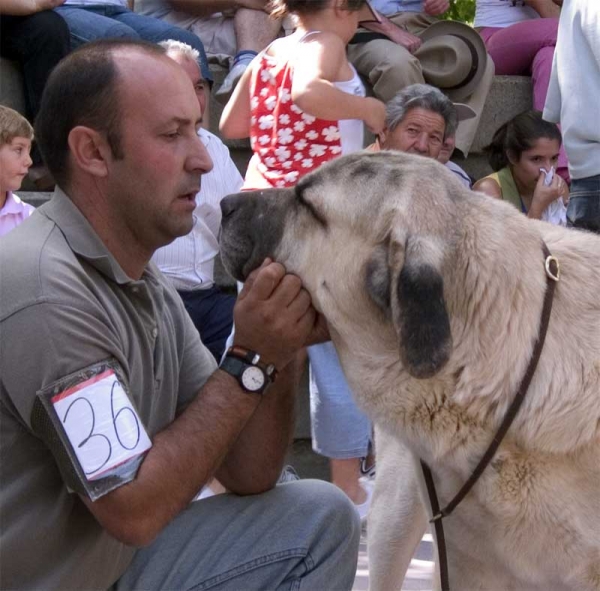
[(435, 7), (401, 37), (394, 33), (274, 315)]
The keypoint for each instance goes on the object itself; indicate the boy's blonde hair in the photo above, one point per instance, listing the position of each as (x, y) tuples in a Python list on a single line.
[(12, 125)]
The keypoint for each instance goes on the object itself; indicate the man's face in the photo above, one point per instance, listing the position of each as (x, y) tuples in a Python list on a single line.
[(420, 132), (447, 149), (151, 190), (192, 69), (14, 163)]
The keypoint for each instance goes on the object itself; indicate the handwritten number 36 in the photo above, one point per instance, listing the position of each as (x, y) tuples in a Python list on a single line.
[(120, 435)]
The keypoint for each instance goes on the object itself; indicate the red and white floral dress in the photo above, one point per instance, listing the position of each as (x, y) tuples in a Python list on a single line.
[(287, 142)]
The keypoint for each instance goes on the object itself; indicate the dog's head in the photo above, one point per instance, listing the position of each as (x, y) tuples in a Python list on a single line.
[(369, 235)]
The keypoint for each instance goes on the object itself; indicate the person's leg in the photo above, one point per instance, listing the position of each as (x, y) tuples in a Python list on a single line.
[(254, 30), (89, 24), (583, 210), (386, 66), (211, 311), (340, 431), (154, 30), (514, 48), (38, 42), (301, 535)]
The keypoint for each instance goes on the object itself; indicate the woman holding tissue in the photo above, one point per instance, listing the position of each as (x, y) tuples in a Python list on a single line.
[(524, 154)]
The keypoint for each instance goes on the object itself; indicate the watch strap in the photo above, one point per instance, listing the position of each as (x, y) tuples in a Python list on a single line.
[(253, 358), (235, 367)]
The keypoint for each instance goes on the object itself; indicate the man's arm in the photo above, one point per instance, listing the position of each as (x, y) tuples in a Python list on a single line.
[(205, 8), (220, 428)]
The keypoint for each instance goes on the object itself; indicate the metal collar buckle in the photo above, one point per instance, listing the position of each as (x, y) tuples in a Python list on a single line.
[(554, 275)]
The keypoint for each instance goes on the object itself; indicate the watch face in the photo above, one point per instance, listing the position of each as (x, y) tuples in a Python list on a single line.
[(253, 378)]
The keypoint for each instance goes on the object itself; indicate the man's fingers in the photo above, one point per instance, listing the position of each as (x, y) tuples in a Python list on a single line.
[(263, 281), (300, 304), (286, 291)]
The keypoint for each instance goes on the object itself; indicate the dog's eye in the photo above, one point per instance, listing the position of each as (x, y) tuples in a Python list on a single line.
[(310, 208)]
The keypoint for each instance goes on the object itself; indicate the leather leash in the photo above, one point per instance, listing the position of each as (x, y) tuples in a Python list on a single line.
[(552, 269)]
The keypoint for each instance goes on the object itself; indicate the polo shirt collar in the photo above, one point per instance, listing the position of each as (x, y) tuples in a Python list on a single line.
[(12, 205), (81, 236)]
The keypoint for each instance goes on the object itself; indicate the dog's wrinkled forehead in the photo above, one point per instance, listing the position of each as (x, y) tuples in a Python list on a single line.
[(372, 184), (354, 176)]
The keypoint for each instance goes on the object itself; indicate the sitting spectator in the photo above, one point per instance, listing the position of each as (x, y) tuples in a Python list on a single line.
[(445, 155), (89, 20), (189, 260), (412, 46), (16, 135), (573, 101), (418, 121), (521, 39), (94, 318), (37, 38), (524, 154), (234, 35)]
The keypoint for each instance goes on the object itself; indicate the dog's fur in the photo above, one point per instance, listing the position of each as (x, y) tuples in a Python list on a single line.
[(433, 296)]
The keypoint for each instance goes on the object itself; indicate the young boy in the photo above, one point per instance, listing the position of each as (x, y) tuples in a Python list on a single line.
[(16, 135)]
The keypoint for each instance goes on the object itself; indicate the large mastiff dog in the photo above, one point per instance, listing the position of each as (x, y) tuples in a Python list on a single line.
[(433, 295)]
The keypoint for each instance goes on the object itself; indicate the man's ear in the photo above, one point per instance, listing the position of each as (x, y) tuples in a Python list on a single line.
[(89, 150), (382, 137)]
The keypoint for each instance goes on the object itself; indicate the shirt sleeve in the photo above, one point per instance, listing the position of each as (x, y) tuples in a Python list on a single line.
[(553, 98)]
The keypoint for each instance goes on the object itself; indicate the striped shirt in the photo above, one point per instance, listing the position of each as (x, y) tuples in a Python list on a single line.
[(189, 260)]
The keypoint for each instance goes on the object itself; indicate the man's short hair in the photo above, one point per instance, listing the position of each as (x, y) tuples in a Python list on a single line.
[(12, 125), (421, 96), (82, 90), (173, 46)]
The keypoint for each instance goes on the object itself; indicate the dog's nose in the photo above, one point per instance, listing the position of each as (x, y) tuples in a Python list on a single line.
[(230, 203)]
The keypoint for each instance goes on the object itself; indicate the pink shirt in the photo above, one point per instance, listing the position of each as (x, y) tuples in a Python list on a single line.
[(13, 213)]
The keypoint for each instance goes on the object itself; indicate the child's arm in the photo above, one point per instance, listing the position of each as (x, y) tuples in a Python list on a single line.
[(235, 119), (320, 62)]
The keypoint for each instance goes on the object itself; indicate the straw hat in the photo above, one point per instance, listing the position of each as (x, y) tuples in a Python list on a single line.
[(453, 58)]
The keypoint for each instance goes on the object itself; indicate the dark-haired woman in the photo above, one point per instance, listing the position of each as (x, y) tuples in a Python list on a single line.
[(524, 155)]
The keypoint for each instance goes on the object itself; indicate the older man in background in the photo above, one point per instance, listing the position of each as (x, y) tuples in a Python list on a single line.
[(419, 119)]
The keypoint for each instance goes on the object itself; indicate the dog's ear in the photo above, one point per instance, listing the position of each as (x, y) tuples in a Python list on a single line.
[(417, 302), (377, 278)]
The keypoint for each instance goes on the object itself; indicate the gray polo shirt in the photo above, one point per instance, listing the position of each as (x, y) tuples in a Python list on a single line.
[(65, 303)]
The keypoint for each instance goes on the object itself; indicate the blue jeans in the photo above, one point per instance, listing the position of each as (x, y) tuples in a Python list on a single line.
[(584, 204), (88, 23), (211, 311), (340, 430), (299, 536)]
